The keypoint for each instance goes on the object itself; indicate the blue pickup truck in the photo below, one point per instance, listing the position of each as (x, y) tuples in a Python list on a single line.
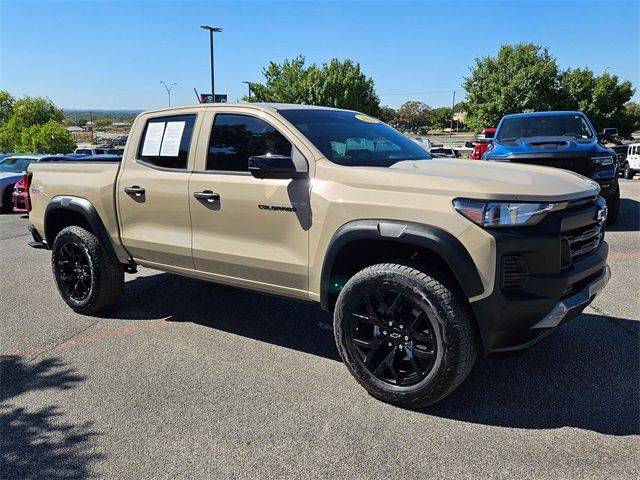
[(560, 139)]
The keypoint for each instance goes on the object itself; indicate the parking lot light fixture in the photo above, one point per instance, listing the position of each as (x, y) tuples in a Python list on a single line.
[(249, 86), (168, 89), (211, 31)]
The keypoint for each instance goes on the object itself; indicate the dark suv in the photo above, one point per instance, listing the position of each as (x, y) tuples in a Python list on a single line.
[(560, 139)]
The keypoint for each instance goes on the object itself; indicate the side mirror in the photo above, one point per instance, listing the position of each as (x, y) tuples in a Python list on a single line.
[(274, 166), (608, 133)]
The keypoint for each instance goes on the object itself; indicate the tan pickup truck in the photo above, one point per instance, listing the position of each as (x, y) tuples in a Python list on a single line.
[(424, 263)]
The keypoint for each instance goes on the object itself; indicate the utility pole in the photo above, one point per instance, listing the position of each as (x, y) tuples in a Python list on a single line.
[(168, 89), (211, 31), (453, 105), (248, 85)]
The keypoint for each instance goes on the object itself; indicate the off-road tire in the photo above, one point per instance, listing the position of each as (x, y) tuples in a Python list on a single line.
[(628, 172), (106, 277), (613, 207), (456, 335)]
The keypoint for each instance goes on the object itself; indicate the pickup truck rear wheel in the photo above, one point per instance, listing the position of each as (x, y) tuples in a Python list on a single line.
[(406, 333), (86, 278)]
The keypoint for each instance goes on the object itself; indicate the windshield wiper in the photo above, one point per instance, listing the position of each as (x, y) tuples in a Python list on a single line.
[(510, 139)]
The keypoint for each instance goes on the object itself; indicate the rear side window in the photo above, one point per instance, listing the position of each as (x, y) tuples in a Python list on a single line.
[(235, 138), (166, 140)]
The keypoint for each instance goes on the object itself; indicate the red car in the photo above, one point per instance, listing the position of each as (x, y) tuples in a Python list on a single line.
[(20, 196), (482, 142)]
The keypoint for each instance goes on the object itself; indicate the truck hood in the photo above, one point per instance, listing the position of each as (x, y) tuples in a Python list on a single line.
[(545, 145), (477, 179)]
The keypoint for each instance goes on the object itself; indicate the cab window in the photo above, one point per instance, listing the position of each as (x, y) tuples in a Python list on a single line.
[(166, 140), (235, 138)]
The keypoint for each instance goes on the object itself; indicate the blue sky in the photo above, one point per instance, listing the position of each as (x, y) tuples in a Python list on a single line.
[(113, 54)]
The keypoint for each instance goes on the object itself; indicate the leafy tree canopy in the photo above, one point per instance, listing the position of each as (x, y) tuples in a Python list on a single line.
[(6, 104), (387, 114), (521, 78), (52, 137), (524, 77), (440, 118), (28, 116), (340, 84), (412, 115)]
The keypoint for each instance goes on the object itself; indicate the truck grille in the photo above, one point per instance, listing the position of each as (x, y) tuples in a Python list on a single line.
[(583, 165), (580, 242)]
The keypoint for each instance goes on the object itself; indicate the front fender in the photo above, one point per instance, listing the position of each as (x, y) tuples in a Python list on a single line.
[(429, 237)]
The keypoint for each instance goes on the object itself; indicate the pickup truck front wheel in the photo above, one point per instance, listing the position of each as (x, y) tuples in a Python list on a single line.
[(406, 333), (86, 278)]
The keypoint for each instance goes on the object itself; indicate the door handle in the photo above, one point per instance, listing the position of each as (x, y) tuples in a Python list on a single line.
[(207, 195), (135, 190)]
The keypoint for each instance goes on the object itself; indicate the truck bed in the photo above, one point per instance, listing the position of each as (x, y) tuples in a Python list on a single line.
[(92, 181)]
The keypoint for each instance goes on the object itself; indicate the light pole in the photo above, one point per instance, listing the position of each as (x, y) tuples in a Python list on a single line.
[(453, 105), (248, 85), (168, 89), (211, 30)]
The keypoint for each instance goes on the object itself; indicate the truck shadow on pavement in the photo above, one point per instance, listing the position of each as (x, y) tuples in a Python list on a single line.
[(585, 375), (38, 442), (628, 218)]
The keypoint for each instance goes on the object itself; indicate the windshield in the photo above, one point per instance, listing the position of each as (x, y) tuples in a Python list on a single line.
[(354, 139), (544, 126), (15, 165)]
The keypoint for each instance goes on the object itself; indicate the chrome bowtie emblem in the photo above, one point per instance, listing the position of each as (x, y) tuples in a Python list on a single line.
[(395, 335), (602, 213)]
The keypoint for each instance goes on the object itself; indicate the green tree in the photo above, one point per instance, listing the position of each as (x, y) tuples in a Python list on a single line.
[(27, 112), (632, 111), (338, 84), (440, 117), (525, 77), (412, 115), (102, 122), (6, 104), (52, 137), (520, 78), (602, 98), (387, 114)]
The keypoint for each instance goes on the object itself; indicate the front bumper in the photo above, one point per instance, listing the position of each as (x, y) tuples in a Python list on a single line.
[(569, 307), (548, 283)]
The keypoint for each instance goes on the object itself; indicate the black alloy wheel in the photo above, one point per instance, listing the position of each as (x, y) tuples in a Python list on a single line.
[(393, 335), (74, 272)]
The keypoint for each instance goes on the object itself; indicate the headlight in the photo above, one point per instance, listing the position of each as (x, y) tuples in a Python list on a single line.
[(504, 214), (603, 160)]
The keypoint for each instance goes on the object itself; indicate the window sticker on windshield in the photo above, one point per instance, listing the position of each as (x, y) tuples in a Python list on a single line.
[(367, 118), (171, 140), (152, 139)]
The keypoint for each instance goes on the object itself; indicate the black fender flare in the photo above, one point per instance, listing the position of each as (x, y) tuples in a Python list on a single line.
[(85, 208), (432, 238)]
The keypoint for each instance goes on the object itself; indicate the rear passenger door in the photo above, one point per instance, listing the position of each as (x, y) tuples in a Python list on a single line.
[(249, 232), (153, 191)]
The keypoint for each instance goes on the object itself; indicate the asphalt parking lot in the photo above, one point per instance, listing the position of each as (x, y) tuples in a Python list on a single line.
[(186, 379)]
